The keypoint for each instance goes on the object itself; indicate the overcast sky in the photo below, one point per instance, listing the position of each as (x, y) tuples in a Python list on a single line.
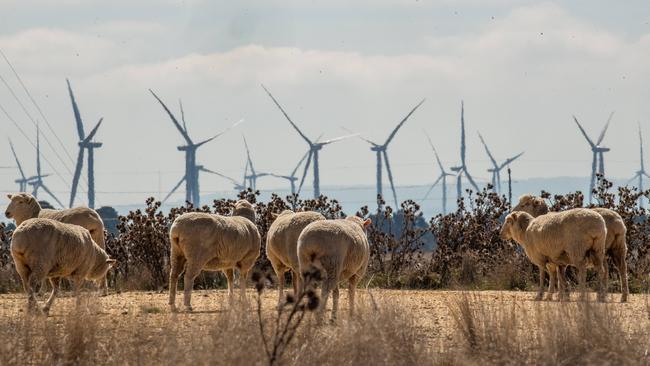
[(522, 68)]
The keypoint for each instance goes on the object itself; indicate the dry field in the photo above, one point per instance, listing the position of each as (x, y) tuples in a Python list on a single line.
[(404, 327)]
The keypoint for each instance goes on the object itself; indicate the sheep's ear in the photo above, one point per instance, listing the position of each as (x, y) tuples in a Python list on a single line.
[(111, 262), (514, 216), (367, 223), (9, 196)]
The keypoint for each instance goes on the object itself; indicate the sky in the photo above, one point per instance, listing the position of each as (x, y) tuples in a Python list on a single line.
[(523, 68)]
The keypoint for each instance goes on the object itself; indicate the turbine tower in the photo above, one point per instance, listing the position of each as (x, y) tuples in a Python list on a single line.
[(37, 181), (496, 168), (641, 172), (191, 177), (85, 143), (382, 156), (314, 149), (462, 168), (598, 151), (252, 177), (441, 178), (22, 181)]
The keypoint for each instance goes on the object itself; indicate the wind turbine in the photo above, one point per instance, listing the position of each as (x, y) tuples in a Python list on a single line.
[(252, 177), (191, 177), (85, 143), (382, 156), (22, 181), (598, 151), (292, 176), (462, 168), (314, 149), (37, 181), (442, 177), (496, 168), (641, 172)]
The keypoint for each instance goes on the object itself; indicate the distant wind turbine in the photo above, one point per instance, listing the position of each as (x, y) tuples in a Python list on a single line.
[(441, 178), (252, 177), (641, 172), (382, 156), (292, 178), (37, 181), (598, 151), (314, 149), (85, 143), (462, 168), (22, 181), (191, 177), (496, 168)]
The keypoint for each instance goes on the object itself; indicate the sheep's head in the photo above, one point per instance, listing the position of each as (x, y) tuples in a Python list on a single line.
[(102, 267), (533, 205), (515, 225), (283, 213), (358, 220), (245, 209), (22, 206)]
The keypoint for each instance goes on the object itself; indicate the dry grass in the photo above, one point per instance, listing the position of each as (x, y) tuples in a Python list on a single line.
[(406, 328)]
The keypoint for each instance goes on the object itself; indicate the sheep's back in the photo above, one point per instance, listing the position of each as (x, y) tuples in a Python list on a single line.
[(614, 223), (335, 238), (82, 216), (553, 231), (282, 237)]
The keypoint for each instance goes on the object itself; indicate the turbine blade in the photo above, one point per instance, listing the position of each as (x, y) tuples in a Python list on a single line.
[(206, 170), (173, 189), (304, 173), (187, 138), (602, 133), (401, 123), (220, 133), (293, 172), (52, 195), (471, 180), (390, 178), (20, 168), (640, 149), (432, 186), (75, 110), (508, 161), (435, 152), (248, 156), (635, 177), (591, 143), (93, 131), (38, 150), (180, 104), (286, 115), (327, 142), (462, 132), (494, 162), (77, 175)]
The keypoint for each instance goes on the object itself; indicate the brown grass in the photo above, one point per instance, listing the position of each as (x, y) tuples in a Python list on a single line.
[(406, 328)]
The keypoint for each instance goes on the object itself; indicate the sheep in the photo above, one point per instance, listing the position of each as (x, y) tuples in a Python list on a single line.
[(339, 250), (572, 237), (615, 243), (203, 241), (282, 244), (23, 206), (46, 248)]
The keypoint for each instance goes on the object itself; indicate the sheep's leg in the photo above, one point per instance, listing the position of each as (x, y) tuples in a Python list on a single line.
[(562, 283), (192, 270), (243, 276), (352, 283), (230, 278), (552, 273), (296, 281), (25, 273), (621, 266), (540, 292), (335, 302), (77, 282), (325, 291), (582, 280), (279, 273), (177, 263), (54, 281), (602, 273)]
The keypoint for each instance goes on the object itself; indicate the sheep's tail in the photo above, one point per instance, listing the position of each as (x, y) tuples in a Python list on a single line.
[(174, 237), (310, 262)]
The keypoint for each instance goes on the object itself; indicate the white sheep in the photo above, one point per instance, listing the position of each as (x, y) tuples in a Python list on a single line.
[(45, 248), (282, 245), (23, 206), (573, 237), (615, 243), (339, 250), (203, 241)]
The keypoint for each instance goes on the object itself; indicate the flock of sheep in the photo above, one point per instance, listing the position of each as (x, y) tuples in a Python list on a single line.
[(69, 243)]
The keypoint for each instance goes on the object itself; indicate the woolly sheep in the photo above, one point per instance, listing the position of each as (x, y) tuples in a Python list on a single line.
[(48, 248), (282, 244), (339, 250), (615, 243), (203, 241), (23, 206), (572, 237)]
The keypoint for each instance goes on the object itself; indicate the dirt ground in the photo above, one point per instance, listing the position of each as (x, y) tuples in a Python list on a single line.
[(430, 309)]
